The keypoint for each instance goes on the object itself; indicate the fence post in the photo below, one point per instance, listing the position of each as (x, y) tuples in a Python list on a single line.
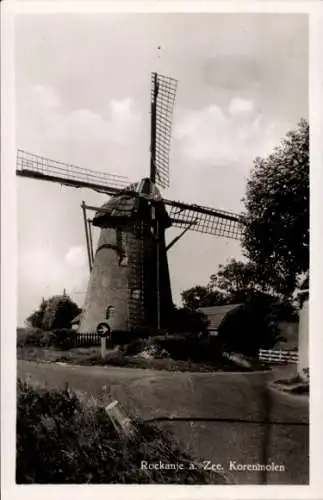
[(103, 347), (103, 330)]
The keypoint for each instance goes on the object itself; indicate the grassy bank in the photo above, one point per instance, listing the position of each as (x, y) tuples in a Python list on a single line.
[(59, 440)]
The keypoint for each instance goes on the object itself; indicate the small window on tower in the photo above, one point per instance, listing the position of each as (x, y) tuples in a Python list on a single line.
[(109, 312)]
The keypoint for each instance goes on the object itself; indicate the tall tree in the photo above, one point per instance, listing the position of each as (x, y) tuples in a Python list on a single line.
[(54, 313), (236, 281), (277, 212), (201, 296), (232, 283), (36, 318)]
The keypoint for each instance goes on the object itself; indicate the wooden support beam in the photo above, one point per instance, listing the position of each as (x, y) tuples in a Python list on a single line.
[(175, 240), (86, 235)]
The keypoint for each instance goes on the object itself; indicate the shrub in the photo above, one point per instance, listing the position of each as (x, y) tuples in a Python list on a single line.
[(179, 347), (33, 337), (187, 321), (58, 339), (142, 332), (58, 441), (198, 349), (47, 339), (135, 347), (64, 338), (121, 337)]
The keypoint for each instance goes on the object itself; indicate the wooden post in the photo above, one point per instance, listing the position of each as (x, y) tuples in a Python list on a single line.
[(119, 419), (103, 329), (86, 234), (89, 221), (103, 347)]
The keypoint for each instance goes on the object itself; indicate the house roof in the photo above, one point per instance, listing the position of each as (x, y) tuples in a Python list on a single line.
[(216, 314), (77, 319)]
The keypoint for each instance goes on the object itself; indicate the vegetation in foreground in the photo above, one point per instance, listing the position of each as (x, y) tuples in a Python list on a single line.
[(61, 441)]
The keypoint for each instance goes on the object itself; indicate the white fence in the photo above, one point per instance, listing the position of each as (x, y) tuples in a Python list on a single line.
[(270, 356)]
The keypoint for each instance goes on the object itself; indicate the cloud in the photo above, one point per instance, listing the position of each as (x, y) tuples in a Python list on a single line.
[(215, 135), (88, 138), (46, 96), (46, 270), (122, 110), (76, 257), (85, 125), (41, 268), (238, 105), (48, 118)]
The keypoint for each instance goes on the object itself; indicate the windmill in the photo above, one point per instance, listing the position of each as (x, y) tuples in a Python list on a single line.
[(129, 276)]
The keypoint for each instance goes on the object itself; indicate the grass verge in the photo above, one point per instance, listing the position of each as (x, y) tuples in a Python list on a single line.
[(293, 385), (91, 357)]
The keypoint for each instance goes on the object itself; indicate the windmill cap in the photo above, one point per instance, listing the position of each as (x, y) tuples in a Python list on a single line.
[(125, 207), (147, 188)]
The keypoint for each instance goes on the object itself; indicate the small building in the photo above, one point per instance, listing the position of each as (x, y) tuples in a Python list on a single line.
[(75, 323), (216, 314)]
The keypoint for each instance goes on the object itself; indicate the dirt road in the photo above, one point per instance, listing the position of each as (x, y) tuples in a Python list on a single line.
[(219, 417)]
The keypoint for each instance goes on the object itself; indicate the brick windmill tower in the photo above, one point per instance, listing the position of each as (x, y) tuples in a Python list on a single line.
[(129, 277)]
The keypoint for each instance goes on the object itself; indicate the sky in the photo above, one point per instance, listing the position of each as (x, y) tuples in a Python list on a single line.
[(82, 97)]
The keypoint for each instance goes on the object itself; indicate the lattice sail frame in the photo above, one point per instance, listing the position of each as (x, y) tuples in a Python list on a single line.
[(39, 167), (205, 220), (164, 98)]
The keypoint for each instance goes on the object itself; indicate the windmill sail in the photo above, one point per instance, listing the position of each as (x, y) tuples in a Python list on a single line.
[(39, 167), (163, 91), (205, 220)]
